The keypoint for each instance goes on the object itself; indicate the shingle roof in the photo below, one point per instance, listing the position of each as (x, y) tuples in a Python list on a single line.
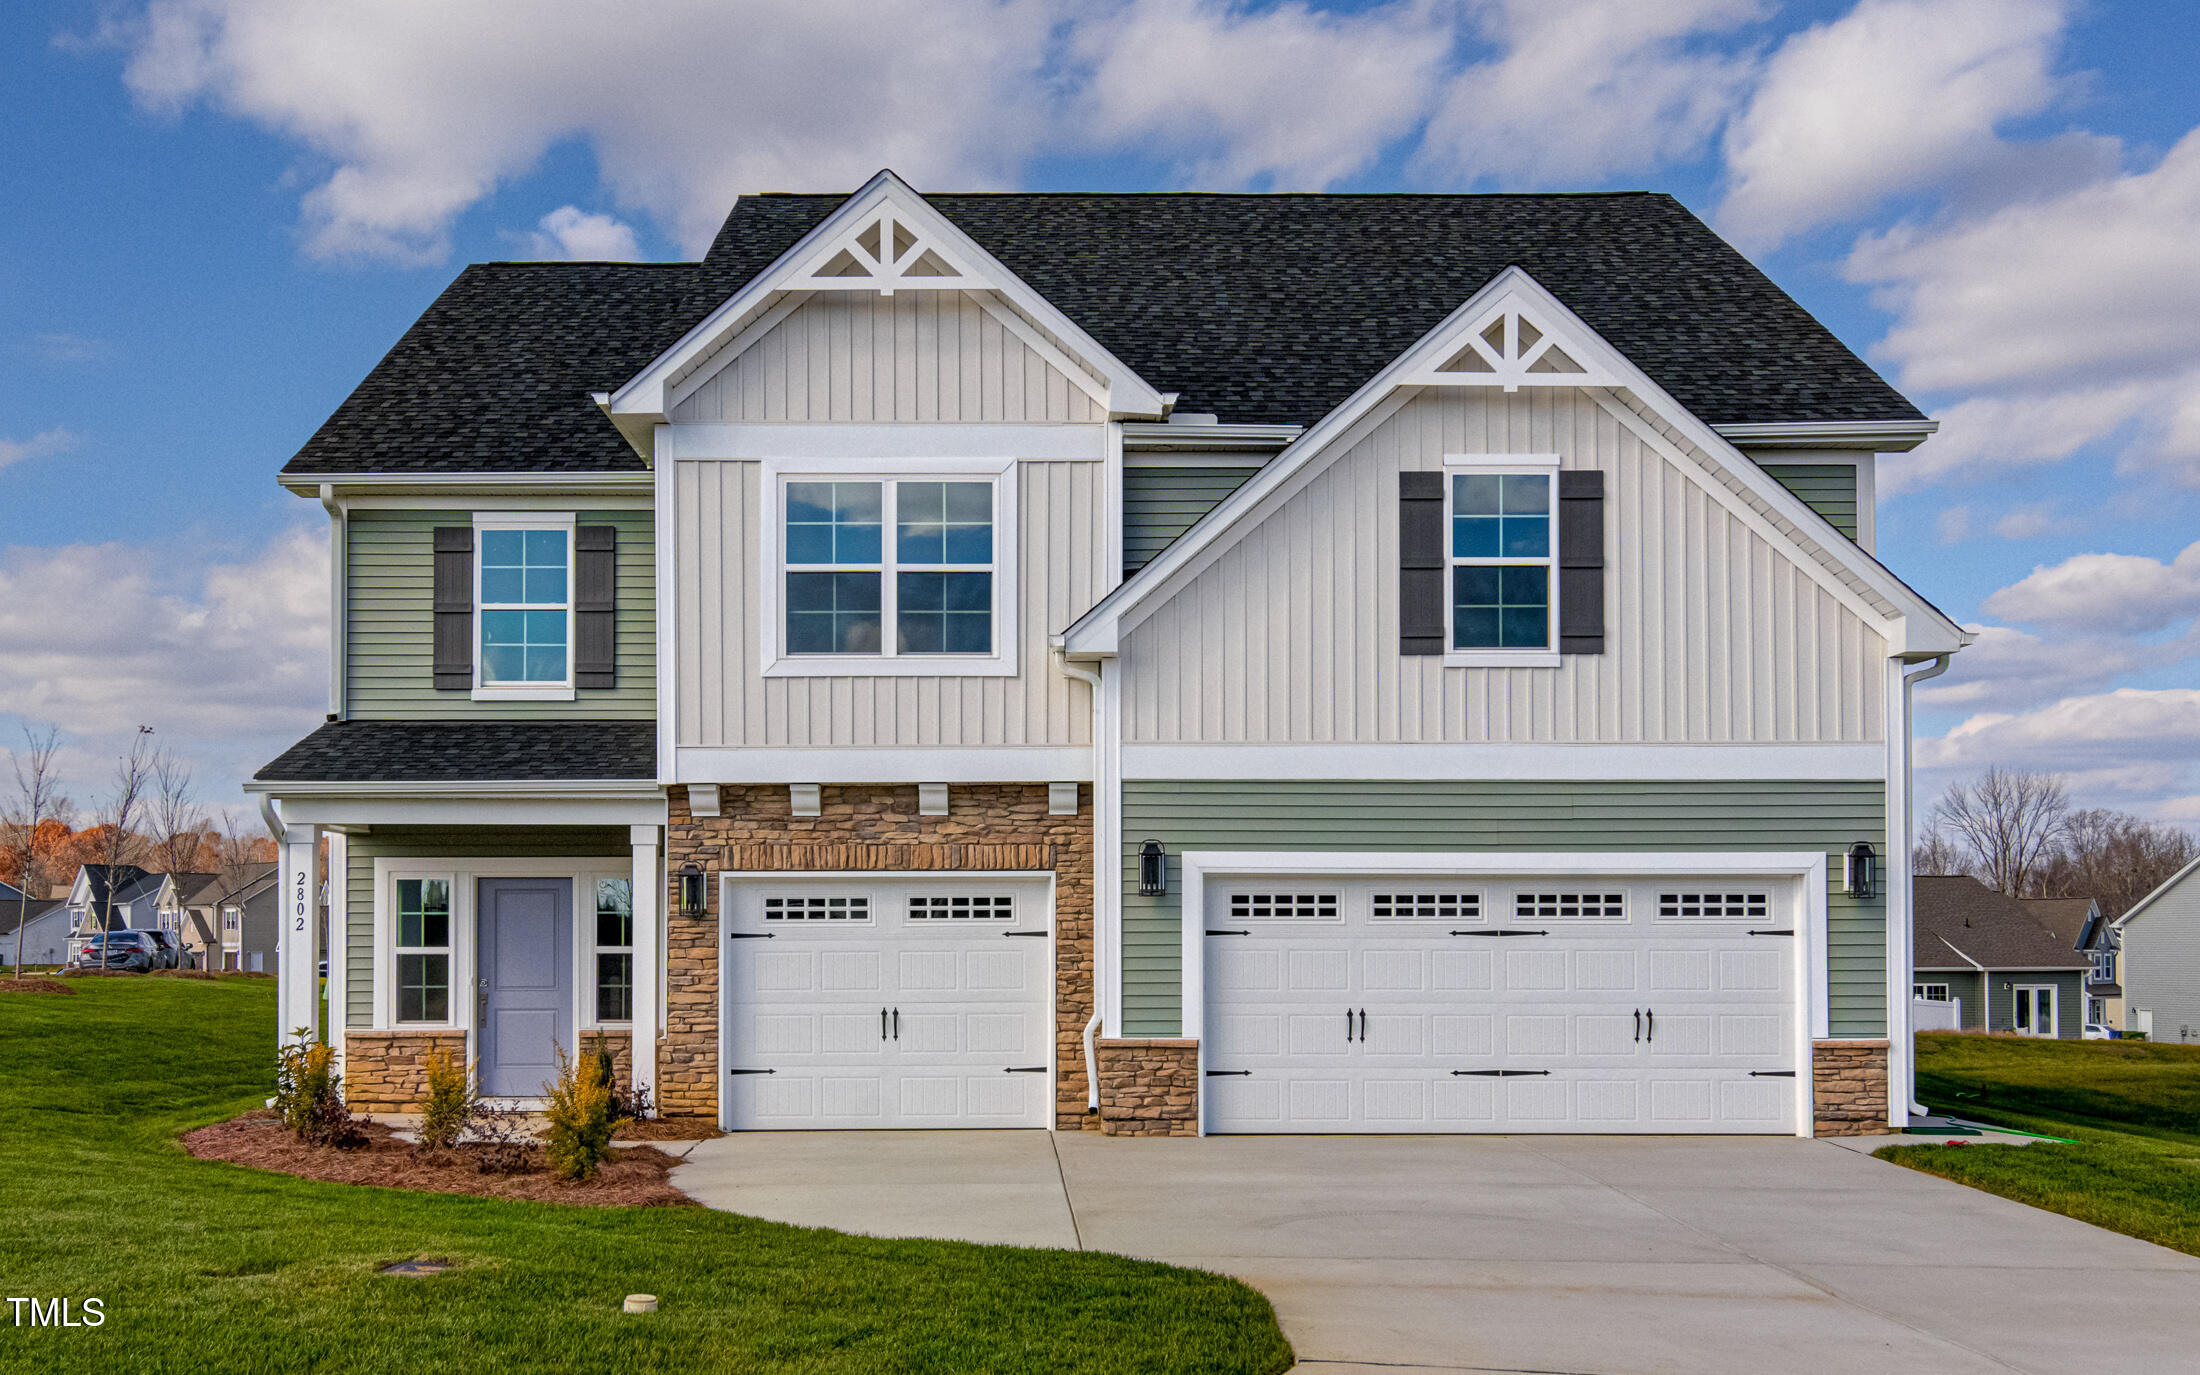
[(1990, 928), (469, 751), (2064, 918), (1259, 308)]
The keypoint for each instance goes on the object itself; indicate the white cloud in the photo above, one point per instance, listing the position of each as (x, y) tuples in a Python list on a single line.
[(2030, 522), (229, 667), (63, 347), (1893, 96), (44, 444), (417, 109), (2134, 748), (2126, 593), (1585, 90), (1953, 524), (1289, 97), (572, 233), (2006, 669)]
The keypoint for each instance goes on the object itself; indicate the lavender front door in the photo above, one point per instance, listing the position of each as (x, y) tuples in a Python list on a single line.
[(526, 983)]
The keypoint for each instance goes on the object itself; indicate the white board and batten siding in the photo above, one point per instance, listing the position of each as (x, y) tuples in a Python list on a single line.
[(1713, 636), (911, 359)]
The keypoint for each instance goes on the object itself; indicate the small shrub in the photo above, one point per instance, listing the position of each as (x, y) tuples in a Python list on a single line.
[(580, 1117), (309, 1097), (500, 1138), (632, 1105), (448, 1107)]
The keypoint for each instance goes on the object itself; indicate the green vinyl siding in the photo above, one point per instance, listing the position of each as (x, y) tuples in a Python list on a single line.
[(390, 624), (1160, 504), (1963, 987), (1827, 488), (1510, 815), (2001, 999), (444, 842)]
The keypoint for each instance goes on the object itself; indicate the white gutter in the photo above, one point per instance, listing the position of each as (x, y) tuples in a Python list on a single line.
[(1880, 436), (1106, 860), (1901, 916), (269, 815)]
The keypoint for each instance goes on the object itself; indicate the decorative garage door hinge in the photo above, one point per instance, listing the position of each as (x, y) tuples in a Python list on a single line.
[(1229, 1074), (1501, 931), (750, 935), (1013, 934), (1789, 932), (1772, 1074), (752, 1071), (1229, 933), (1496, 1073), (1025, 1069)]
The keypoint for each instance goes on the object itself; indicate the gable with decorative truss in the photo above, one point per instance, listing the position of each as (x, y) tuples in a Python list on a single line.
[(884, 252), (1508, 345)]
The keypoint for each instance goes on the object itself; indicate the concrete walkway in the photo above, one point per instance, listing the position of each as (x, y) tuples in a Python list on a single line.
[(1588, 1255)]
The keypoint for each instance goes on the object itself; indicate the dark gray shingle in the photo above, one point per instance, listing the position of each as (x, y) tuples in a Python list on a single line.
[(468, 751)]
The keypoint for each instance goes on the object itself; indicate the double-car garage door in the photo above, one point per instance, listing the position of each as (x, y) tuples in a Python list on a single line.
[(886, 1001), (1500, 1004)]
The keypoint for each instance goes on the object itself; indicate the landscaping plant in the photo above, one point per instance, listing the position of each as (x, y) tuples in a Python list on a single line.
[(580, 1118), (450, 1104), (309, 1098)]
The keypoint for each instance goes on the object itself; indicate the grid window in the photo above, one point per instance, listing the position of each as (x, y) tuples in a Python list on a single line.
[(1570, 906), (933, 581), (1426, 907), (614, 950), (1503, 536), (423, 950), (824, 907), (961, 907), (524, 606), (1714, 906), (1931, 993), (1273, 906)]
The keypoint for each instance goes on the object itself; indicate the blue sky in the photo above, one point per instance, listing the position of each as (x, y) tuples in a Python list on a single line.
[(218, 214)]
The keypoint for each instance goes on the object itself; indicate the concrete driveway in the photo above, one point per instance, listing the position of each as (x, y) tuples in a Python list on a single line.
[(1599, 1255)]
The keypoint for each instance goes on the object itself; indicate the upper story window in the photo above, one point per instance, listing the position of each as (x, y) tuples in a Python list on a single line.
[(232, 920), (1502, 521), (525, 606), (900, 574), (2104, 966)]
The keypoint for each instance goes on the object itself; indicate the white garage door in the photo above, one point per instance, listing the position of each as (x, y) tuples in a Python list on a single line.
[(1500, 1005), (886, 1001)]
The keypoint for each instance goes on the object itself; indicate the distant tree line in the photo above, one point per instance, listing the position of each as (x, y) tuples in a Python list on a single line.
[(2017, 832)]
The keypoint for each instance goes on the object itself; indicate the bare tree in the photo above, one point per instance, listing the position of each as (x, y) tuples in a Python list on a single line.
[(118, 842), (2116, 859), (177, 822), (241, 847), (1936, 852), (2010, 822), (38, 799)]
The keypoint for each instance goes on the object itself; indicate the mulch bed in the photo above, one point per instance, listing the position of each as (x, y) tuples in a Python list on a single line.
[(633, 1176), (35, 985), (668, 1129)]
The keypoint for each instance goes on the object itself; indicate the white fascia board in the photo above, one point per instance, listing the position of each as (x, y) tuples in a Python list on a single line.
[(1145, 436), (646, 394), (2148, 901), (326, 809), (1584, 762), (751, 441), (877, 764), (1877, 436), (356, 487), (1101, 625)]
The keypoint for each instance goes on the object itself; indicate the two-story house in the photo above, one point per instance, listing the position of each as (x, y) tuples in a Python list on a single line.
[(1167, 663)]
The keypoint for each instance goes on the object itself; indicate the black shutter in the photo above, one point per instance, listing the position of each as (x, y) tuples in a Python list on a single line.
[(595, 606), (454, 608), (1420, 563), (1581, 562)]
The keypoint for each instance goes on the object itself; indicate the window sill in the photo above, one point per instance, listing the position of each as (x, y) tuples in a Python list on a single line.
[(1502, 658), (866, 666), (557, 692)]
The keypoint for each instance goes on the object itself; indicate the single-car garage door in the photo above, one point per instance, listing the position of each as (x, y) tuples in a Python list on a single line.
[(1530, 1004), (886, 1001)]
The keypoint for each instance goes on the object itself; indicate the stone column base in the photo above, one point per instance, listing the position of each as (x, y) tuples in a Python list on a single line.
[(1149, 1087), (1849, 1086), (383, 1070)]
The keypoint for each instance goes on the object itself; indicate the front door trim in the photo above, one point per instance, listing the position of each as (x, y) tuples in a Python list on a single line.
[(1808, 866)]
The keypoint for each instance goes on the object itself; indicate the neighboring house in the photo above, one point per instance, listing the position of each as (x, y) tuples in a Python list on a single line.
[(245, 923), (45, 935), (1988, 952), (185, 906), (1403, 663), (120, 897), (2078, 923), (2160, 937)]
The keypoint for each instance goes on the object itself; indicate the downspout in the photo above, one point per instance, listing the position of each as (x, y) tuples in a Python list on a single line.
[(339, 538), (1104, 852), (267, 815), (1910, 681)]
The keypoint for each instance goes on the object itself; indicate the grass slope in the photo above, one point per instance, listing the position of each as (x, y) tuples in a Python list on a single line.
[(2133, 1107), (212, 1267)]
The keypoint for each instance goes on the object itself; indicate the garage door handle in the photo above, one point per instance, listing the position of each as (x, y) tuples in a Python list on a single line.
[(1025, 1069), (1363, 1026), (752, 1071), (1495, 1073), (1348, 1026), (1772, 1074), (897, 1023), (1501, 931), (1638, 1023), (1652, 1016), (882, 1024)]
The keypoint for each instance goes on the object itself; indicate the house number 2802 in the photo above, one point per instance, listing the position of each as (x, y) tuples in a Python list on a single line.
[(299, 906)]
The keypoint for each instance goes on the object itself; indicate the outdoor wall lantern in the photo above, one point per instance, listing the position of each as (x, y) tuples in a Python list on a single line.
[(691, 891), (1861, 879), (1153, 872)]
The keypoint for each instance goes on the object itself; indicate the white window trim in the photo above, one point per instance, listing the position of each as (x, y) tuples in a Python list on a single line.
[(1545, 464), (524, 520), (588, 995), (455, 992), (1924, 991), (2054, 1010), (1007, 590)]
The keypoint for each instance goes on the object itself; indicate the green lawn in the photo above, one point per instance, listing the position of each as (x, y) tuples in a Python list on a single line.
[(2133, 1107), (207, 1267)]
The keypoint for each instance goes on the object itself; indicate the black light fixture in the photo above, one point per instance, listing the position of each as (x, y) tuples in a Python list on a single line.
[(1860, 877), (1153, 870), (691, 891)]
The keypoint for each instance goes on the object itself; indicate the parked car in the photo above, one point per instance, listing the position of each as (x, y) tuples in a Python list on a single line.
[(2094, 1031), (134, 950), (172, 953)]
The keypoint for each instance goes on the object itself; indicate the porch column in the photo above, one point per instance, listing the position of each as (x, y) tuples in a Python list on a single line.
[(298, 938), (649, 954)]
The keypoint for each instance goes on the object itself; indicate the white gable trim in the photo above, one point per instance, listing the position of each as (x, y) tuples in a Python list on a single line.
[(883, 203), (1917, 628)]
